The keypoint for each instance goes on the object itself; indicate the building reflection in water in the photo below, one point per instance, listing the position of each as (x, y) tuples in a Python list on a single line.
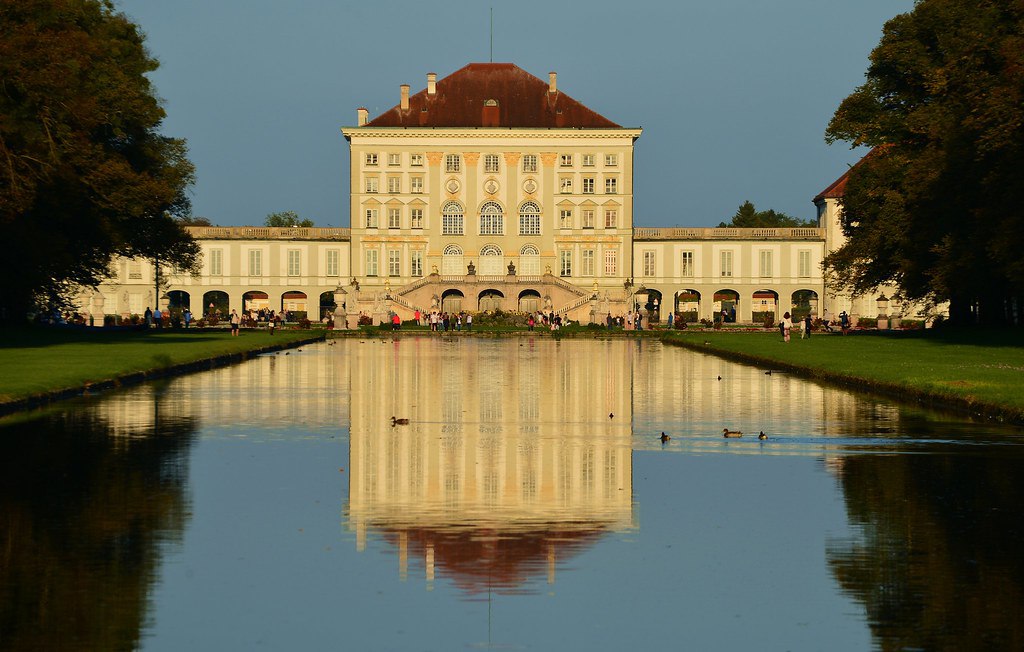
[(510, 463)]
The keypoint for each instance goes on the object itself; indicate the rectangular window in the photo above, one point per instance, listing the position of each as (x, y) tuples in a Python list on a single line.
[(565, 258), (216, 262), (451, 224), (765, 263), (529, 223), (416, 160), (530, 163), (565, 218), (452, 163), (588, 160), (588, 218), (371, 262), (611, 262), (372, 184), (371, 218), (293, 262), (490, 163), (611, 216), (565, 160), (565, 184), (332, 262), (648, 263), (416, 185), (416, 263), (416, 218), (726, 263), (588, 185), (686, 266), (611, 160), (587, 262), (394, 159), (255, 262), (134, 269), (803, 264), (370, 159), (394, 262), (394, 218), (394, 184), (611, 186)]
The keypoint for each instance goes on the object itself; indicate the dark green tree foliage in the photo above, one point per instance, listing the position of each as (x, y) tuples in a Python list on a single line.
[(936, 207), (748, 217), (84, 173), (287, 218)]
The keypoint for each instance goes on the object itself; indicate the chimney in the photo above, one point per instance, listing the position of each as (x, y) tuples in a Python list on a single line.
[(362, 114), (552, 86), (405, 96), (431, 83)]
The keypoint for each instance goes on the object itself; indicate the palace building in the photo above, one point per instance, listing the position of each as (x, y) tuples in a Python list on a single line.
[(492, 189)]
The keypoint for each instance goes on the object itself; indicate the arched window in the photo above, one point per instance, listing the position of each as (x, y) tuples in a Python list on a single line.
[(529, 261), (491, 219), (491, 261), (529, 219), (451, 261), (451, 219)]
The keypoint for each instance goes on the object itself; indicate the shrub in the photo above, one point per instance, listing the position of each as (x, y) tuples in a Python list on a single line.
[(707, 323), (365, 320), (867, 322), (304, 323), (768, 320), (679, 324)]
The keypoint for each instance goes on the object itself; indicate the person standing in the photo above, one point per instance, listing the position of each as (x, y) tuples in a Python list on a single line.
[(805, 332), (187, 317), (787, 326), (234, 323), (469, 321)]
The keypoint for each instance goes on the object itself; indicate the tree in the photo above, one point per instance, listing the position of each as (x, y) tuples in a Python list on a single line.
[(748, 217), (84, 173), (194, 220), (287, 218), (936, 207)]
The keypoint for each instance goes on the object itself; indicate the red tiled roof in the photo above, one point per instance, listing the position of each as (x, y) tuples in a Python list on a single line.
[(838, 187), (522, 101), (835, 190)]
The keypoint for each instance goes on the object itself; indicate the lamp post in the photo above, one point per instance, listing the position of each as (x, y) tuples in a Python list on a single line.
[(883, 311)]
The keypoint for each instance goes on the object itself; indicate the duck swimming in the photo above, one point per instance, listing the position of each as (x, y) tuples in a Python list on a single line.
[(399, 422), (664, 438), (762, 436), (731, 433)]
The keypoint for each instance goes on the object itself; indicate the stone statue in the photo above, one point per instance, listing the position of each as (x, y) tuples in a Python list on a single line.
[(471, 269), (354, 283), (511, 269)]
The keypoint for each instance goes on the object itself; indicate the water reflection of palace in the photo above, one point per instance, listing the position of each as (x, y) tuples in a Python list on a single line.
[(510, 462)]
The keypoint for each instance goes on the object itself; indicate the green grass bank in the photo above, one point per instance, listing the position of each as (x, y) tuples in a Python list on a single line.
[(980, 372), (38, 365)]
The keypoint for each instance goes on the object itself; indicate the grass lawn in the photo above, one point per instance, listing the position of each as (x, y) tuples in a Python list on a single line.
[(982, 368), (36, 361)]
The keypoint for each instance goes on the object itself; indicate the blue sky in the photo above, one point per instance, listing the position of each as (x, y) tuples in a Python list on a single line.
[(733, 95)]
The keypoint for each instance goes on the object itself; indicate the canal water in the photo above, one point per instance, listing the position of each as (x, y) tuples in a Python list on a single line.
[(528, 504)]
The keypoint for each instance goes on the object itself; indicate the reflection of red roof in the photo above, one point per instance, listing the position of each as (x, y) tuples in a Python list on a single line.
[(481, 560), (522, 101)]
